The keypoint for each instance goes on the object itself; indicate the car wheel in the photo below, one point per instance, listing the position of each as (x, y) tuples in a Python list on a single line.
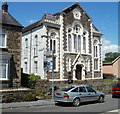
[(76, 102), (101, 99), (113, 96)]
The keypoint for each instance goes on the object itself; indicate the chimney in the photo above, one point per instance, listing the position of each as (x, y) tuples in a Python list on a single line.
[(5, 7)]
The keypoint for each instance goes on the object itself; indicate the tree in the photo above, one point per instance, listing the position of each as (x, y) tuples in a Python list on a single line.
[(109, 57)]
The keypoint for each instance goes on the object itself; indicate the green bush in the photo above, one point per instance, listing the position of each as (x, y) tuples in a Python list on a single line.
[(32, 80), (41, 94), (30, 97)]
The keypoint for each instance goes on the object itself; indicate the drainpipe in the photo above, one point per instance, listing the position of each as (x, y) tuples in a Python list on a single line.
[(30, 50)]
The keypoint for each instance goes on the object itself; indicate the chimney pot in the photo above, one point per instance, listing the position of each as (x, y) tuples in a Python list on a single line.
[(5, 7)]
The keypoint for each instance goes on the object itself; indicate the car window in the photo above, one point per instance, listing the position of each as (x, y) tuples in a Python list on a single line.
[(117, 85), (75, 90), (67, 89), (82, 89), (90, 89)]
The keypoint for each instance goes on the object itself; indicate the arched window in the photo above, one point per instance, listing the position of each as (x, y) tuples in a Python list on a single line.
[(79, 43), (26, 47), (52, 35), (53, 47), (95, 48), (69, 43), (75, 42), (84, 44), (53, 42), (36, 45), (77, 28), (96, 61)]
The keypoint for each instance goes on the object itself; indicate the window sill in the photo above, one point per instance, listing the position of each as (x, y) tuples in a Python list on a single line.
[(72, 52), (54, 71), (4, 47), (25, 57), (4, 79), (35, 56), (96, 70)]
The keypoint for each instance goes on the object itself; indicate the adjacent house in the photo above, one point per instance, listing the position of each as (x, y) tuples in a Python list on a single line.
[(75, 41), (10, 49), (112, 68)]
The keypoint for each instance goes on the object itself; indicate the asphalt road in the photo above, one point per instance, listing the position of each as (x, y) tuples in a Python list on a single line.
[(109, 105)]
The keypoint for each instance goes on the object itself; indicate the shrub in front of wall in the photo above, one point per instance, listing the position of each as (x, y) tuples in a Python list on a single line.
[(40, 95), (7, 99), (32, 80), (30, 97)]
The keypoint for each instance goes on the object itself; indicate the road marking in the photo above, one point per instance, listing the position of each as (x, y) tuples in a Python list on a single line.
[(118, 110)]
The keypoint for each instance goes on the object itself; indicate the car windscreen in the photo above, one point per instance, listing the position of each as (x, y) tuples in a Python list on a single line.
[(67, 88), (117, 85)]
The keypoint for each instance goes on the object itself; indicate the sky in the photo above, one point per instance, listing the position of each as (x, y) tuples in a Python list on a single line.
[(104, 15)]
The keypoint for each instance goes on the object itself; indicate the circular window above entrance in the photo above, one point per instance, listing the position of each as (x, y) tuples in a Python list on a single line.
[(76, 14)]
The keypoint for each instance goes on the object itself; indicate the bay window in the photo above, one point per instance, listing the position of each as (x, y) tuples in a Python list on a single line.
[(4, 67)]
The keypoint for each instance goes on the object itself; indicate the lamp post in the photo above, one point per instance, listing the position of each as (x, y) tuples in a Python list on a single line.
[(52, 74), (51, 54)]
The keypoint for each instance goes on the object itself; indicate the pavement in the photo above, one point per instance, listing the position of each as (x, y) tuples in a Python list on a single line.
[(27, 104)]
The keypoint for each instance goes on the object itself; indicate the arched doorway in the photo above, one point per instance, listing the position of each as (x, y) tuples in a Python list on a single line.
[(78, 73)]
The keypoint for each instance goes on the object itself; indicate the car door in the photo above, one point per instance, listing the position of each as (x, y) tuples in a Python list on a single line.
[(74, 93), (91, 94), (83, 94)]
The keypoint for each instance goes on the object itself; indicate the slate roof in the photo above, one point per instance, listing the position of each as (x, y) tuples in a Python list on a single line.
[(39, 23), (71, 8), (52, 17), (7, 19), (95, 30)]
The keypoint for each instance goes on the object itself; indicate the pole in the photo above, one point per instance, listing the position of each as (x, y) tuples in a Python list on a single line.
[(52, 75)]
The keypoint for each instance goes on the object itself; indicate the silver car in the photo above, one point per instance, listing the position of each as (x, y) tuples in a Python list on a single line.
[(77, 94)]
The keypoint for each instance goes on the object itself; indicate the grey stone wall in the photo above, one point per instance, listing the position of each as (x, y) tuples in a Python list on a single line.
[(97, 74), (15, 95), (14, 35), (68, 20)]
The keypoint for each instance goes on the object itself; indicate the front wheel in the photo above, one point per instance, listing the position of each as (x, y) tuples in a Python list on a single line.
[(101, 99), (76, 102)]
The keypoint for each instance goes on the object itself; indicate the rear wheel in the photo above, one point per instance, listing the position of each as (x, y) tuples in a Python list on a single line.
[(76, 102), (101, 99), (113, 96)]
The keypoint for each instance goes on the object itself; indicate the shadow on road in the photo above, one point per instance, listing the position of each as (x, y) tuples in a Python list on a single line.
[(70, 104)]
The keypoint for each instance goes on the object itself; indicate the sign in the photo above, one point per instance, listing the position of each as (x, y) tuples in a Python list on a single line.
[(48, 59), (48, 53), (48, 65)]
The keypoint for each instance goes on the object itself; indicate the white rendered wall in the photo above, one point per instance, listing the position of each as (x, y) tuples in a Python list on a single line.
[(31, 58)]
